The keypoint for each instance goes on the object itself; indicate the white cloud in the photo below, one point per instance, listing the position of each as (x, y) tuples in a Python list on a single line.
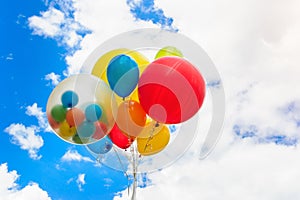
[(73, 155), (70, 23), (54, 78), (48, 24), (26, 138), (104, 20), (80, 181), (254, 45), (244, 170), (57, 24), (37, 112), (10, 190)]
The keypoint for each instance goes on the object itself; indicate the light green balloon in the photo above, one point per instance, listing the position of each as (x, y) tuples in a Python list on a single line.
[(168, 51)]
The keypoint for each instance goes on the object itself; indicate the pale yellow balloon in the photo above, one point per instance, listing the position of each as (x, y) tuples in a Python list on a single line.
[(150, 129), (153, 145), (134, 95), (101, 65), (66, 131)]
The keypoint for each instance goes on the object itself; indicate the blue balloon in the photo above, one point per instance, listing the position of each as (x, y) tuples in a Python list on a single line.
[(122, 75), (101, 147), (86, 129), (93, 112), (69, 99)]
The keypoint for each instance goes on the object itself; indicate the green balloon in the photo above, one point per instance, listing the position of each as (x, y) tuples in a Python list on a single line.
[(58, 113), (77, 139), (80, 140), (168, 51)]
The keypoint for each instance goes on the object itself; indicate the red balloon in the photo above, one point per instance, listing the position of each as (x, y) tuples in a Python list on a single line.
[(119, 138), (171, 90)]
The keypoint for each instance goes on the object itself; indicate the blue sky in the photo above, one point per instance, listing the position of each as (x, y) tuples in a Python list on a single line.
[(26, 59), (42, 42)]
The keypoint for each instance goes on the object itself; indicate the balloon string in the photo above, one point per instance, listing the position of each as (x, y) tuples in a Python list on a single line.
[(134, 166), (123, 168), (151, 136), (133, 160), (127, 126)]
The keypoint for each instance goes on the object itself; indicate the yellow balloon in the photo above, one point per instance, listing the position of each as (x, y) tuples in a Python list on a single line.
[(66, 131), (153, 145), (168, 51), (101, 65)]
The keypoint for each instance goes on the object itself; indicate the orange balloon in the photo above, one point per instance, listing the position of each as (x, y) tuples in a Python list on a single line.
[(75, 117), (131, 117)]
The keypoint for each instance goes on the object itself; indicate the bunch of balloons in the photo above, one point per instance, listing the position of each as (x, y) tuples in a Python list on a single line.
[(127, 100), (80, 109)]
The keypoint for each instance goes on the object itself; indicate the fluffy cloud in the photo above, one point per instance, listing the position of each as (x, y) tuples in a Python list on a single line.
[(253, 45), (71, 23), (73, 155), (80, 181), (104, 19), (37, 112), (10, 190), (86, 24), (243, 171), (48, 24), (53, 78), (26, 138), (58, 24)]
